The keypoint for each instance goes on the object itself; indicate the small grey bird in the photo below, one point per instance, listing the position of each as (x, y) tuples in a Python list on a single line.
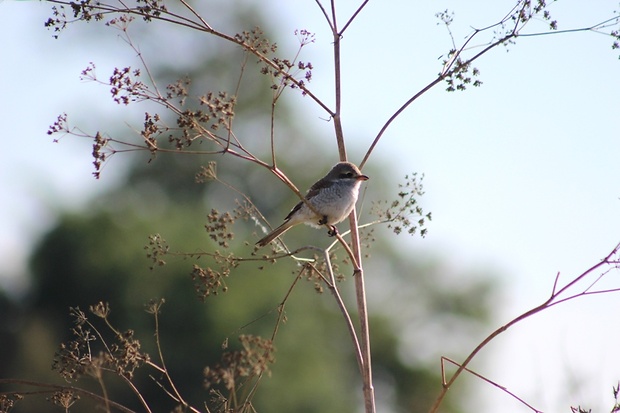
[(333, 197)]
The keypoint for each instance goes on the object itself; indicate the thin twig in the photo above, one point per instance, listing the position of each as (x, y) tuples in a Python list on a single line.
[(333, 287), (329, 22), (160, 353), (55, 387), (276, 328), (359, 9), (480, 376), (173, 18), (551, 301), (512, 35), (198, 16)]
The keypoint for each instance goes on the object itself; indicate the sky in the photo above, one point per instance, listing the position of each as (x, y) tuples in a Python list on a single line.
[(521, 174)]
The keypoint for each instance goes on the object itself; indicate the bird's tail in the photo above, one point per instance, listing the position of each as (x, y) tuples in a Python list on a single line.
[(274, 234)]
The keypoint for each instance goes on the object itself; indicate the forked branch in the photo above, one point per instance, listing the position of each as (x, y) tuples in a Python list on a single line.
[(610, 262)]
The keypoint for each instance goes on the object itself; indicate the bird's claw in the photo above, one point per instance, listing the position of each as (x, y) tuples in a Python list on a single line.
[(333, 231)]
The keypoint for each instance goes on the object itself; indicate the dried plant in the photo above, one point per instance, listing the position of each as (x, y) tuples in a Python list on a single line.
[(209, 120)]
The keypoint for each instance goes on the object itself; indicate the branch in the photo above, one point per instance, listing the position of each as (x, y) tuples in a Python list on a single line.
[(551, 301), (520, 22), (332, 285), (355, 254), (480, 376), (55, 387), (359, 9), (200, 25), (428, 87), (342, 151), (329, 22), (362, 309)]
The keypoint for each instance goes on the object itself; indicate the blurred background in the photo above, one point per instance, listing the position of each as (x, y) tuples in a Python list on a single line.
[(521, 176)]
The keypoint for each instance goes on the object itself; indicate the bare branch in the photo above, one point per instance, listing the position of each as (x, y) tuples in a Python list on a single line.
[(609, 260), (359, 9), (480, 376)]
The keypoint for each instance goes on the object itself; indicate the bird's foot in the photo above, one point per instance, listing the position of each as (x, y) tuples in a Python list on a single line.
[(333, 231)]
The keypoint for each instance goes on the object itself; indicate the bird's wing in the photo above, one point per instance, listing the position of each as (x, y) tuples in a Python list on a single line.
[(312, 192), (295, 209), (316, 187)]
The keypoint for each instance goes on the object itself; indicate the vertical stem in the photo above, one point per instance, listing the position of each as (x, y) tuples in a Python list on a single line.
[(342, 150), (360, 289), (362, 309)]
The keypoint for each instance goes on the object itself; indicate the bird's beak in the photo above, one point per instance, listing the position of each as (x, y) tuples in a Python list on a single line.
[(363, 178)]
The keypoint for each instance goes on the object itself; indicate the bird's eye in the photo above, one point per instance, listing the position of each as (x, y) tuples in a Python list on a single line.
[(347, 175)]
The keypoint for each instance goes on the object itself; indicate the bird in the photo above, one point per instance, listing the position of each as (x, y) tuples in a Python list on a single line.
[(332, 197)]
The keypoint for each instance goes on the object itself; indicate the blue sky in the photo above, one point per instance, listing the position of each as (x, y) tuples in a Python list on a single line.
[(521, 175)]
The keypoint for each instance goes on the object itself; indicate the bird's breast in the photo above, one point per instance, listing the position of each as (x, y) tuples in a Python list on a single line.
[(335, 202)]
